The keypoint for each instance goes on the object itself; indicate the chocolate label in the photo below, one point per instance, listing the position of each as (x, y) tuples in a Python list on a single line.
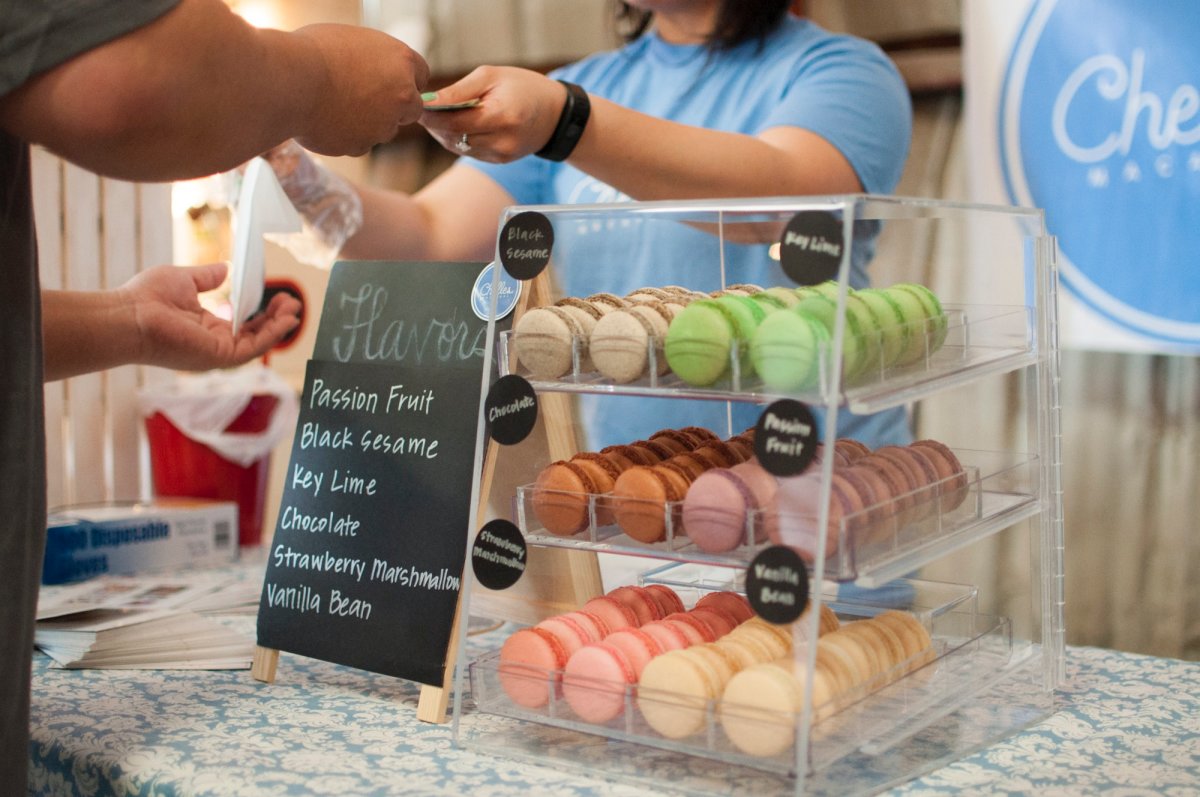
[(511, 409), (810, 251), (777, 585), (525, 244), (785, 438), (498, 555)]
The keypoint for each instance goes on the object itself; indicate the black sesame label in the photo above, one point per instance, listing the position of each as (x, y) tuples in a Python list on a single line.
[(810, 251), (498, 555), (777, 585), (525, 244), (785, 438)]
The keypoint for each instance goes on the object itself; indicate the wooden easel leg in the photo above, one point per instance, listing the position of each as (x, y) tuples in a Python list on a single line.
[(434, 700), (265, 662)]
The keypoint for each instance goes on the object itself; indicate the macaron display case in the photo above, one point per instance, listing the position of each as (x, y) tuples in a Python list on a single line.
[(710, 669)]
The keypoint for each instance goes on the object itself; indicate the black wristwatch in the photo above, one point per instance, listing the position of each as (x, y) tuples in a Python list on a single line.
[(570, 126)]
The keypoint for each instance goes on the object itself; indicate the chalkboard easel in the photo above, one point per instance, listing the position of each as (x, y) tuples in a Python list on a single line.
[(365, 564)]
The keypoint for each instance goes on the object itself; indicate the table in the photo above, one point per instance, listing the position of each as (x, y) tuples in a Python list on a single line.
[(1125, 721)]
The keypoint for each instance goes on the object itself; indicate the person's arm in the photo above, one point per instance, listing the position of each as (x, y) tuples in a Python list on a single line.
[(199, 90), (645, 157), (155, 319), (452, 218)]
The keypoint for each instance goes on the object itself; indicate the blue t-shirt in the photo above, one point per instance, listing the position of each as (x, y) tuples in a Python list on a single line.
[(840, 87)]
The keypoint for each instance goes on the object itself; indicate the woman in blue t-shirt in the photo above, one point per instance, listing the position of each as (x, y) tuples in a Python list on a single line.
[(708, 99)]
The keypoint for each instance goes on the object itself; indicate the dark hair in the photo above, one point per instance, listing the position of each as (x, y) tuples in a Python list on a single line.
[(738, 21)]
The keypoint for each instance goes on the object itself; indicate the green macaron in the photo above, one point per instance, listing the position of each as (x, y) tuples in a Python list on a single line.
[(787, 350), (895, 332), (746, 314), (699, 342)]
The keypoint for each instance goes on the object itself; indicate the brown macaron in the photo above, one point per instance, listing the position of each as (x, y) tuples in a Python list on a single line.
[(640, 498), (951, 474), (561, 497)]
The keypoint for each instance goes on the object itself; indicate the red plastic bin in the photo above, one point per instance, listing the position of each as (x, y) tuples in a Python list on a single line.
[(183, 467)]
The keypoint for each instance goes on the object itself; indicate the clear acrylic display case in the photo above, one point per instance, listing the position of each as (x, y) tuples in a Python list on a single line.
[(998, 646)]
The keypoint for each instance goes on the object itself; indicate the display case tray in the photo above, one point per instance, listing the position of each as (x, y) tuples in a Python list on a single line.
[(873, 545), (970, 651), (979, 340)]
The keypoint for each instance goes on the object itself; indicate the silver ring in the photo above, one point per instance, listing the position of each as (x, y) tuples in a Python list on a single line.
[(462, 145)]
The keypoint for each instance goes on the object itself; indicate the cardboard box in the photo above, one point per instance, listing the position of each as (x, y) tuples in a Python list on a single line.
[(132, 538)]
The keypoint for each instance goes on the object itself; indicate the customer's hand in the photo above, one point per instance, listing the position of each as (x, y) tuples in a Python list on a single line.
[(516, 116), (374, 87), (174, 331)]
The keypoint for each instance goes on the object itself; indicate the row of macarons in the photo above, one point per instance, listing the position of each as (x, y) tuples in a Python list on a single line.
[(759, 703), (689, 482), (639, 622), (639, 642), (702, 337), (780, 334), (650, 472), (587, 657)]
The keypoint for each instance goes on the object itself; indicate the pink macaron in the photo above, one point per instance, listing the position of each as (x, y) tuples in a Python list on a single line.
[(668, 599), (715, 511), (615, 614), (637, 645), (643, 605), (668, 635), (569, 631), (595, 682), (530, 663)]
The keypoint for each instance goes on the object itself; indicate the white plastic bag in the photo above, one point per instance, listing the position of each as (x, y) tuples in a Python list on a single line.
[(201, 406)]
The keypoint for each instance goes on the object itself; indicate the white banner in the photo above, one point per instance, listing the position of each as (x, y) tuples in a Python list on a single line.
[(1089, 109)]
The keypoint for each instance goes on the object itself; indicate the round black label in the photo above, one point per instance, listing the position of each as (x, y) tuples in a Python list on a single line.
[(777, 585), (498, 555), (511, 408), (785, 438), (811, 249), (526, 241)]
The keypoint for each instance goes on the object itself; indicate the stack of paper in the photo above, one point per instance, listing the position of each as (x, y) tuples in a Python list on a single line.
[(147, 622)]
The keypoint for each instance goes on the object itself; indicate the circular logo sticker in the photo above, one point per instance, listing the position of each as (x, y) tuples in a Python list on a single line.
[(785, 437), (511, 408), (498, 555), (777, 585), (492, 280), (810, 251), (1098, 127), (526, 241)]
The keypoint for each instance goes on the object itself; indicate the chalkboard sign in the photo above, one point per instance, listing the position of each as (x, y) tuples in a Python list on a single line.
[(366, 562)]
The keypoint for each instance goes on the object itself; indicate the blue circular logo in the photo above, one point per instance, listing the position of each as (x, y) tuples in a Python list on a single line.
[(506, 288), (1100, 127)]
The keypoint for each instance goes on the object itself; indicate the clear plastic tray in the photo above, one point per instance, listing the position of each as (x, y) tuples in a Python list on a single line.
[(969, 651), (877, 544), (978, 340)]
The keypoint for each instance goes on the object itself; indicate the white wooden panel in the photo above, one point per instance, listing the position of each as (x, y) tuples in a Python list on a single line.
[(156, 247), (47, 208), (557, 31), (155, 238), (120, 263), (467, 33), (85, 405)]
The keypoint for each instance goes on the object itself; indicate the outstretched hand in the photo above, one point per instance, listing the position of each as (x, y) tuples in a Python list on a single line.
[(516, 116), (176, 332)]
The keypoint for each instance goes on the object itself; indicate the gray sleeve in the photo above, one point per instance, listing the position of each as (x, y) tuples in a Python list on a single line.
[(38, 35)]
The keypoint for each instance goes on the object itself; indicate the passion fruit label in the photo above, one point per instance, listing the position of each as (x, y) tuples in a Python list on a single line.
[(777, 585), (525, 243), (511, 409), (498, 555), (785, 437)]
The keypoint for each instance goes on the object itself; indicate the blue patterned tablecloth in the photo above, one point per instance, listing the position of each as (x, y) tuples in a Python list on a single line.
[(1126, 725)]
